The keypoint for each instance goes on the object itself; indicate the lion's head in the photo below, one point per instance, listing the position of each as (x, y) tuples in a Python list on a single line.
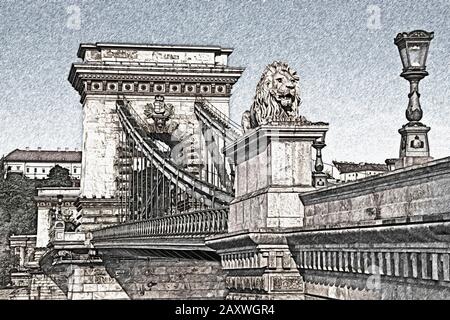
[(277, 95)]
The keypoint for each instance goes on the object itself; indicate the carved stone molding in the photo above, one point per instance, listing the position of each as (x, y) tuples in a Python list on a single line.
[(258, 263)]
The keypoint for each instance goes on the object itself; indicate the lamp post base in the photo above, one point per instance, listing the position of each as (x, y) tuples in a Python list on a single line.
[(414, 146)]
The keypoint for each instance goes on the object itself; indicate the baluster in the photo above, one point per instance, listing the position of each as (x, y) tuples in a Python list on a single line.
[(300, 259), (197, 223), (340, 254), (213, 222), (219, 220), (396, 264), (184, 224), (200, 222), (445, 266), (204, 217), (321, 260), (424, 263), (352, 262), (374, 261), (434, 266), (208, 221), (334, 264), (414, 266), (168, 222), (388, 264), (405, 261), (225, 220), (366, 262), (358, 262), (381, 263), (191, 224), (175, 222), (346, 269)]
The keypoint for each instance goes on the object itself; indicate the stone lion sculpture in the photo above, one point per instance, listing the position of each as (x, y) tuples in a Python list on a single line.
[(277, 97)]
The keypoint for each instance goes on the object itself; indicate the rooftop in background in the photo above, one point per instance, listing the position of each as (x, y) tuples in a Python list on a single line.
[(43, 156), (345, 167)]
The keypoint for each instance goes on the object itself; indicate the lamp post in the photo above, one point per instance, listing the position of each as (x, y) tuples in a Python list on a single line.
[(59, 213), (319, 177), (413, 48)]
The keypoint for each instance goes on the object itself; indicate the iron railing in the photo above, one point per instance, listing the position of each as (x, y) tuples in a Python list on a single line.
[(192, 224)]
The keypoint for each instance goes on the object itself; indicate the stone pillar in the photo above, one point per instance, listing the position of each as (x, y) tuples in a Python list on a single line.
[(43, 227), (100, 141), (272, 272), (273, 164)]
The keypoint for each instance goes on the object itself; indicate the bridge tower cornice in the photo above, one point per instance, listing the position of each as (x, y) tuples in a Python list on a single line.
[(136, 69)]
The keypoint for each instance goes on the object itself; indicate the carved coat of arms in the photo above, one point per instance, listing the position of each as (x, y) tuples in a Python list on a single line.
[(159, 115)]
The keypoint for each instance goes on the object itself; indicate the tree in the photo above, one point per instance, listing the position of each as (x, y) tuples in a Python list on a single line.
[(17, 216), (18, 209), (57, 177)]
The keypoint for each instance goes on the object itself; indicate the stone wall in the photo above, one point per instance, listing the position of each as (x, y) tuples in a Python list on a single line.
[(38, 286), (43, 288), (410, 193), (92, 282), (169, 278)]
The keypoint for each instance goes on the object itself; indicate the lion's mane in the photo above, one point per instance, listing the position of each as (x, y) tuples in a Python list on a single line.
[(265, 107)]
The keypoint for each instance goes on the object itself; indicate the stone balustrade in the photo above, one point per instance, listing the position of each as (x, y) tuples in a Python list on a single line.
[(407, 263), (196, 223)]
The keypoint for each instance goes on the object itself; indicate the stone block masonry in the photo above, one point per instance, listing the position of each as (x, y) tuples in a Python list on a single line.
[(94, 283), (39, 287), (169, 278)]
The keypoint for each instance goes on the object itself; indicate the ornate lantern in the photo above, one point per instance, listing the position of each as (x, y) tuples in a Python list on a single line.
[(413, 49)]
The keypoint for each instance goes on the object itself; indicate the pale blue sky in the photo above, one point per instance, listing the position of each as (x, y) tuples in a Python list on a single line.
[(348, 64)]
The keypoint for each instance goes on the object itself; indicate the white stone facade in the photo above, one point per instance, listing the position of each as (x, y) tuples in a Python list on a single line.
[(36, 164)]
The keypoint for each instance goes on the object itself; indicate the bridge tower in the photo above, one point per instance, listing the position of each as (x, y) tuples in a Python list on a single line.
[(161, 83)]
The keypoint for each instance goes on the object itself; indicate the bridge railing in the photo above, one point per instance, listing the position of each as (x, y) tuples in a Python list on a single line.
[(196, 223)]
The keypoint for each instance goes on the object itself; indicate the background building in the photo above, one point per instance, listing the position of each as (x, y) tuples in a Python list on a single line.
[(350, 171), (36, 164)]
